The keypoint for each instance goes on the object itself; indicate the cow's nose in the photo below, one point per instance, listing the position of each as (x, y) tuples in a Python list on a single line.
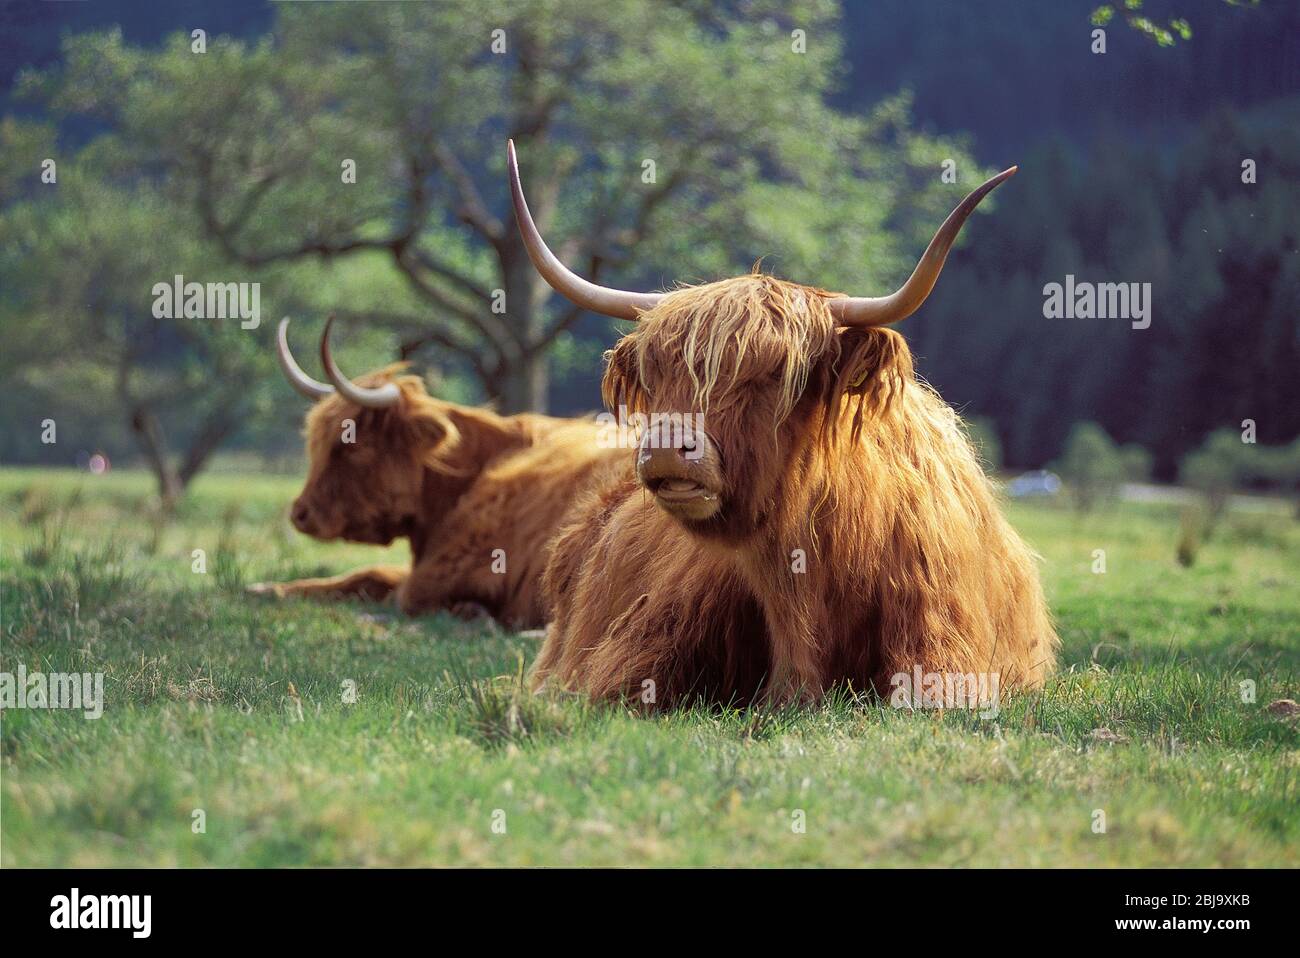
[(672, 454), (658, 461), (301, 516)]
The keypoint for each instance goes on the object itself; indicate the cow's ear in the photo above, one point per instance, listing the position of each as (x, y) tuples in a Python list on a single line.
[(874, 365), (431, 425), (620, 384)]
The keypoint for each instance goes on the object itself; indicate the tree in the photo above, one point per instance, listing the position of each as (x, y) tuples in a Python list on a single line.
[(1280, 466), (81, 256), (1095, 467), (1224, 463), (657, 140), (1214, 241)]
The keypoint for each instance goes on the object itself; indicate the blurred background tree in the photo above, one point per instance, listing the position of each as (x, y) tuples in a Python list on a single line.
[(675, 132), (76, 262), (1224, 464), (1217, 468), (1279, 467), (229, 163), (1095, 468)]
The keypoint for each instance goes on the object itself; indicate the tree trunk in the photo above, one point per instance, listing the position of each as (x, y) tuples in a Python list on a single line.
[(215, 430), (149, 435), (525, 380), (173, 482), (523, 388)]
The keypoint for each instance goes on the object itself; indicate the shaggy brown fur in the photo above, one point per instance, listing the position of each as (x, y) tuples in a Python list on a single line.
[(459, 483), (831, 450)]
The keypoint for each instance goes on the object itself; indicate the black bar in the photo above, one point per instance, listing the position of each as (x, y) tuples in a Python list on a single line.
[(931, 907)]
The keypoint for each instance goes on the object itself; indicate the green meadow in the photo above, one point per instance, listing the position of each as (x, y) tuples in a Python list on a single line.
[(235, 713)]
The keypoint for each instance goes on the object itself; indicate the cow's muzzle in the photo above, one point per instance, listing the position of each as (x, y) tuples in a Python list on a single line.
[(304, 518), (682, 471)]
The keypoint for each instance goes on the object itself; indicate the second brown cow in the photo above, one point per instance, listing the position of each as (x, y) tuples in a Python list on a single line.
[(477, 494)]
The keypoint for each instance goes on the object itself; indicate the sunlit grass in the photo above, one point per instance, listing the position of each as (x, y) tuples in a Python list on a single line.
[(239, 709)]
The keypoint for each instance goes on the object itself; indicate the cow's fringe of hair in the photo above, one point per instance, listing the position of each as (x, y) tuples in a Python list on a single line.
[(420, 414), (724, 334)]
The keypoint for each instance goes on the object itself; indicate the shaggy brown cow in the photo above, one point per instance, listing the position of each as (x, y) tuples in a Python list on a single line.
[(829, 525), (478, 495)]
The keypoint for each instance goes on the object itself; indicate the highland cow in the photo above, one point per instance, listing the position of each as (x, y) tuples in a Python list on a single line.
[(478, 495), (830, 525)]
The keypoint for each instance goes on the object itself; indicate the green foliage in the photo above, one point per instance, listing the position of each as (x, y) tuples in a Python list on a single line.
[(249, 139), (1217, 467), (1278, 466), (227, 166), (1224, 463), (1225, 289), (81, 257), (1175, 28), (1094, 467)]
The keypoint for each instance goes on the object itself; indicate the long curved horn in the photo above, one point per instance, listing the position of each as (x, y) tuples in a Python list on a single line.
[(882, 310), (376, 397), (599, 299), (299, 380)]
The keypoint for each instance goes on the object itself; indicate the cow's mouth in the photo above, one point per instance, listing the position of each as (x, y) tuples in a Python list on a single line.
[(684, 498)]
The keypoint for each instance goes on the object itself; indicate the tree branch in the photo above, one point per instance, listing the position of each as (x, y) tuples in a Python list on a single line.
[(628, 239), (483, 320), (218, 425), (224, 233), (439, 268), (417, 334), (472, 210)]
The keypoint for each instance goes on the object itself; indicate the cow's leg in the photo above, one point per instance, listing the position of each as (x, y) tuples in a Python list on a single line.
[(622, 628), (657, 649), (459, 581), (796, 660), (375, 584), (571, 547), (469, 611)]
